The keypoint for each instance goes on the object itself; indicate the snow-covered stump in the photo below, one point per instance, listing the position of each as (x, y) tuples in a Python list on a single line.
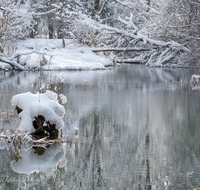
[(39, 114), (195, 82)]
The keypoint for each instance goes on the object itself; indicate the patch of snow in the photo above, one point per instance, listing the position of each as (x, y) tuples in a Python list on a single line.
[(5, 66), (38, 44)]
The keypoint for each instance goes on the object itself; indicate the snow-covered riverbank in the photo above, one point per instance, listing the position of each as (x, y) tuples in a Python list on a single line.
[(53, 57)]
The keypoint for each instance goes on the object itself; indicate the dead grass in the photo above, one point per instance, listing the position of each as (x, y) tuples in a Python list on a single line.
[(24, 139)]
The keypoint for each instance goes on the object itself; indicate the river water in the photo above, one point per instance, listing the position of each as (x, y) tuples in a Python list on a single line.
[(138, 128)]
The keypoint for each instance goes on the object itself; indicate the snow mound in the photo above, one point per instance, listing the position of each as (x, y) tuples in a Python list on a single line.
[(33, 105), (195, 82)]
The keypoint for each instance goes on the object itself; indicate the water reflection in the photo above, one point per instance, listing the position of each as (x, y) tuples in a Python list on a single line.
[(138, 129), (38, 159)]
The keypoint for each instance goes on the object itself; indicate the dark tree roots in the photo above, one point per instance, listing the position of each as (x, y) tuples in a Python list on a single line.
[(42, 128)]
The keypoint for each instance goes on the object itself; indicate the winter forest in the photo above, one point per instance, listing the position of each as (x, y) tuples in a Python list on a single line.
[(100, 94), (154, 32)]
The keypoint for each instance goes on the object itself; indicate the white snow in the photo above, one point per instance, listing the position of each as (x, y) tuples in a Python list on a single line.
[(41, 44), (38, 104), (4, 66), (57, 58)]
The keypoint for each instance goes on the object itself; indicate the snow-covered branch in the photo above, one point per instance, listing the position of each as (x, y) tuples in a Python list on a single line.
[(48, 12), (102, 7), (12, 63), (129, 23), (27, 53), (133, 36), (2, 8), (165, 52)]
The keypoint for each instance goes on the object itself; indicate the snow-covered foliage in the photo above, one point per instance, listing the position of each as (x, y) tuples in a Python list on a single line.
[(167, 28), (33, 105), (178, 20), (63, 98), (15, 23), (195, 82), (161, 51)]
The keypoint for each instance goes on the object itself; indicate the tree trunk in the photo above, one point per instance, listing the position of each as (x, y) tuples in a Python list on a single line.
[(49, 17), (96, 8), (62, 24), (50, 27), (96, 5), (35, 31)]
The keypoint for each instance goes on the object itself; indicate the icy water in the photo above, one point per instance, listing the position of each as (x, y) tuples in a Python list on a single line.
[(139, 128)]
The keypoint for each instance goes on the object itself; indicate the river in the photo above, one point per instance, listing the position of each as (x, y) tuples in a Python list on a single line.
[(138, 128)]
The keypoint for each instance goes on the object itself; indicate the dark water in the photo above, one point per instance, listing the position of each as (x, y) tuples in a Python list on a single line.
[(139, 128)]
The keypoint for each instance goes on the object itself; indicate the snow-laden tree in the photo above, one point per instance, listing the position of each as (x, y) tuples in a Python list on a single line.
[(139, 25), (177, 20), (15, 23), (182, 23), (131, 29), (63, 17)]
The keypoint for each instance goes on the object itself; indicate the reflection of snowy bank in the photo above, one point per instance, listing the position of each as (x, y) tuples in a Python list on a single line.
[(195, 82), (38, 159)]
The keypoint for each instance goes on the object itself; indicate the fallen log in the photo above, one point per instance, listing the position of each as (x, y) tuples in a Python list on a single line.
[(12, 63), (119, 49), (15, 64), (134, 61)]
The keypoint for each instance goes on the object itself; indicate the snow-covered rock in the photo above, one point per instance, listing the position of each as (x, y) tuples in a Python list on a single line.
[(34, 105)]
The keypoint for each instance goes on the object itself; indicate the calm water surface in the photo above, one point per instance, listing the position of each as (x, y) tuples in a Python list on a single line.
[(139, 128)]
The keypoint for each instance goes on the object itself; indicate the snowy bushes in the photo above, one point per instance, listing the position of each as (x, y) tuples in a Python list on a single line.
[(15, 23), (40, 114), (195, 82), (160, 52)]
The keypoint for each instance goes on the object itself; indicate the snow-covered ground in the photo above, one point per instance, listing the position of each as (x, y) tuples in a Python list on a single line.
[(56, 57)]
